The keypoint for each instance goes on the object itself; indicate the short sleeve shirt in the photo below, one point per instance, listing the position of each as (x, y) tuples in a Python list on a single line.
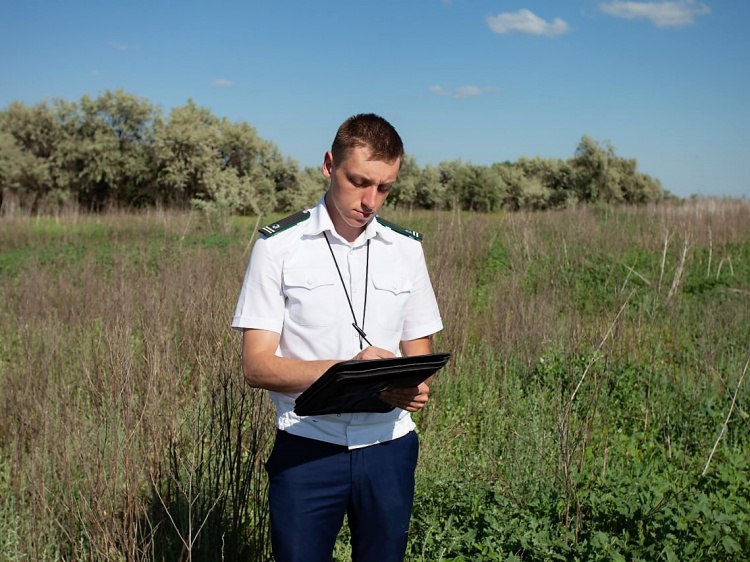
[(293, 287)]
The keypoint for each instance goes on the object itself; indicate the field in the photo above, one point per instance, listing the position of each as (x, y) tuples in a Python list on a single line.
[(595, 407)]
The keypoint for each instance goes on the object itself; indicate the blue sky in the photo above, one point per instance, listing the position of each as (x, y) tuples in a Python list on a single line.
[(665, 82)]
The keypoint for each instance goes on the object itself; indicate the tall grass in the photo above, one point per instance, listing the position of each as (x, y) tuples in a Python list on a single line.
[(126, 431), (604, 349), (598, 356)]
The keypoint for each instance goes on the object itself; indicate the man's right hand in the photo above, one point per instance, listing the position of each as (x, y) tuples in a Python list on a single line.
[(372, 352)]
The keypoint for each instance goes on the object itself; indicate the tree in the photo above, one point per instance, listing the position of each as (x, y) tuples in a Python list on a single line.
[(471, 187), (521, 191), (118, 150), (29, 138), (21, 176), (307, 188), (186, 154), (556, 176), (480, 188), (431, 192), (113, 150), (258, 163), (404, 192), (591, 164), (599, 175), (636, 188)]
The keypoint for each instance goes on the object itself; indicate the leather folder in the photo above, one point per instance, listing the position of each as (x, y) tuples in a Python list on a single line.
[(353, 386)]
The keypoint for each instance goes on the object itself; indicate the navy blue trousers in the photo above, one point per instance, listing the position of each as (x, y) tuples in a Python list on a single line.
[(312, 484)]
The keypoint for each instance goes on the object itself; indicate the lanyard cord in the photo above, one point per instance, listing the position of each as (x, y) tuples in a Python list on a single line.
[(360, 330)]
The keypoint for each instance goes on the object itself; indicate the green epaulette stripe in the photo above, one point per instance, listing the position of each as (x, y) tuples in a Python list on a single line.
[(401, 230), (287, 222)]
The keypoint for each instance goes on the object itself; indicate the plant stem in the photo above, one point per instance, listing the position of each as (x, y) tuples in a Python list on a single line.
[(726, 421)]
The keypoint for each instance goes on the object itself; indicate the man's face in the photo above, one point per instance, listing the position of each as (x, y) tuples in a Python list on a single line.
[(359, 187)]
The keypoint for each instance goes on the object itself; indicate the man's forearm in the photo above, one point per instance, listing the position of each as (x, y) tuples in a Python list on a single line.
[(264, 369), (282, 374)]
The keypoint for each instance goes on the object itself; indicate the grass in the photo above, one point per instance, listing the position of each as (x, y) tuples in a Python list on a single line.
[(597, 353)]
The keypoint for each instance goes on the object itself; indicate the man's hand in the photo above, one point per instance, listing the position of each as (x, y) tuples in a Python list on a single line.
[(411, 399), (372, 352)]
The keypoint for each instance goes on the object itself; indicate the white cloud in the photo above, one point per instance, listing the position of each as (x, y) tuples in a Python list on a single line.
[(467, 91), (662, 14), (223, 83), (525, 21)]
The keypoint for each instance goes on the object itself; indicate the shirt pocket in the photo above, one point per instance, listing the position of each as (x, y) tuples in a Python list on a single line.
[(310, 295), (389, 298)]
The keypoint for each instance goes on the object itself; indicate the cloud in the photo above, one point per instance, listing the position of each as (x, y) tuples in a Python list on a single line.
[(223, 83), (525, 21), (467, 91), (676, 13)]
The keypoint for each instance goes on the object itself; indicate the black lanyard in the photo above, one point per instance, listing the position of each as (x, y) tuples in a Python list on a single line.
[(360, 330)]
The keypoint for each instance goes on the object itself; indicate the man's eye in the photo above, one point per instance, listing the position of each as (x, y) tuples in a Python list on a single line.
[(384, 188)]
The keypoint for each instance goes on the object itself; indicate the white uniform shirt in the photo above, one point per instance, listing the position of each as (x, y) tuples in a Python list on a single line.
[(292, 287)]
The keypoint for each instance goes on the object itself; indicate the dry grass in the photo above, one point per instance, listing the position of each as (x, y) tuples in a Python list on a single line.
[(125, 430), (107, 360)]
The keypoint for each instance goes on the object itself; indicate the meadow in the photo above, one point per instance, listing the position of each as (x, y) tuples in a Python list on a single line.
[(595, 407)]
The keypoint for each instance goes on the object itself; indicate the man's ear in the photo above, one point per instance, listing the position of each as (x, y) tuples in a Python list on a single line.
[(328, 164)]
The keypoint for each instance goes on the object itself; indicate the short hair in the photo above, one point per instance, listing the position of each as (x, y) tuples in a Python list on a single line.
[(370, 131)]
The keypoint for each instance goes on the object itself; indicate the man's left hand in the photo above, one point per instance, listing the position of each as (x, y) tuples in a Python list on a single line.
[(411, 399)]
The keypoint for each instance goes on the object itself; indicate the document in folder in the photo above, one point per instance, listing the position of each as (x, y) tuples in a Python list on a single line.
[(353, 386)]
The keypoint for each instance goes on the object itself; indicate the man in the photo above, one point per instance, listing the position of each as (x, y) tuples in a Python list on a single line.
[(320, 285)]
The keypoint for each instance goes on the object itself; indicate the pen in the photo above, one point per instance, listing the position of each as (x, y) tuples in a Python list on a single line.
[(361, 333)]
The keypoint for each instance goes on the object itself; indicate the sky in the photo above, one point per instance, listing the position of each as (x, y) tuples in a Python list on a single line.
[(664, 82)]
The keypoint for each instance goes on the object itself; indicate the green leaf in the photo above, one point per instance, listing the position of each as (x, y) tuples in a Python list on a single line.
[(731, 546)]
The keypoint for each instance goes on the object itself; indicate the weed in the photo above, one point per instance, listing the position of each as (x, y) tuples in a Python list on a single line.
[(596, 376)]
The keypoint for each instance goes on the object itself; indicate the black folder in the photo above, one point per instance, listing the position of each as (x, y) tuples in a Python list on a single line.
[(353, 386)]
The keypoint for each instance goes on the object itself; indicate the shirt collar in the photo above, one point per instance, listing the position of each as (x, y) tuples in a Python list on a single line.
[(320, 221)]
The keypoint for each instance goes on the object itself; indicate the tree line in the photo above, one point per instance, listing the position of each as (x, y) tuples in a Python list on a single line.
[(118, 151)]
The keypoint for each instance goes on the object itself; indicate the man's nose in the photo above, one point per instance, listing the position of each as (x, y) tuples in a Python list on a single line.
[(369, 198)]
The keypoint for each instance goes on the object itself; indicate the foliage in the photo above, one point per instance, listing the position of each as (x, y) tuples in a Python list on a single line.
[(118, 151), (645, 515)]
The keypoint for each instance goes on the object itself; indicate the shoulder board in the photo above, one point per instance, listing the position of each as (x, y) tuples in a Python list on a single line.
[(400, 229), (283, 224)]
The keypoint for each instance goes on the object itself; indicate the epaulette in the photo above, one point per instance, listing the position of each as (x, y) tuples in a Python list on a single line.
[(401, 230), (283, 224)]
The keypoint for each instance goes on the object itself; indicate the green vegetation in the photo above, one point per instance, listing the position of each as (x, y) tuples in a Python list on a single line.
[(595, 408), (118, 151)]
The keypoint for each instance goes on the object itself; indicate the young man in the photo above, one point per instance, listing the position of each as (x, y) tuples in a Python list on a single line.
[(310, 278)]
